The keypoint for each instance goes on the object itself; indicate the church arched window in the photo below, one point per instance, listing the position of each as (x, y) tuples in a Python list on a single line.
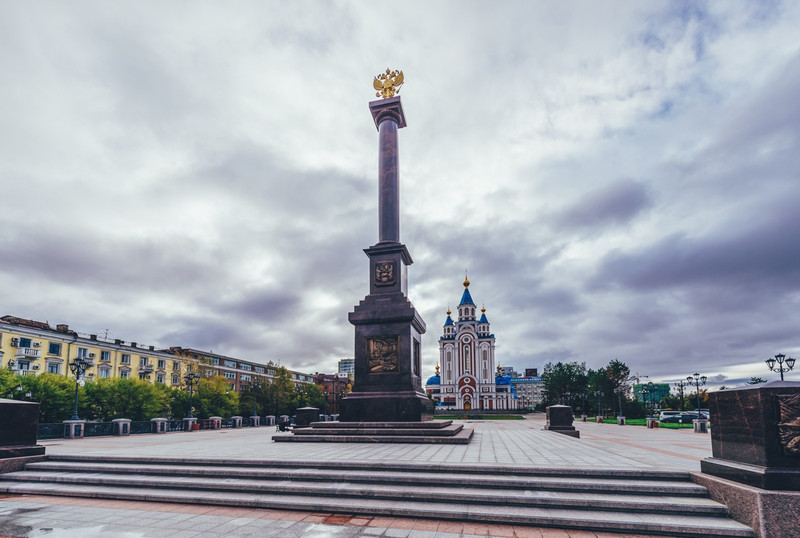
[(467, 359)]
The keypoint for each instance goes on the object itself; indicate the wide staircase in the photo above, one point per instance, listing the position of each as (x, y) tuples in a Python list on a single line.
[(633, 502)]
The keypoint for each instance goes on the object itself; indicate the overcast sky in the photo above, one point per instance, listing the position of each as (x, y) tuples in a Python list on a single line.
[(620, 179)]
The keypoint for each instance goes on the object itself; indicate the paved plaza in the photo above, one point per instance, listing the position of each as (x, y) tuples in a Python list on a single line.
[(496, 444)]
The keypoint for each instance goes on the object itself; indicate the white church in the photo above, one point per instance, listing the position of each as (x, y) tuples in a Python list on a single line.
[(469, 379)]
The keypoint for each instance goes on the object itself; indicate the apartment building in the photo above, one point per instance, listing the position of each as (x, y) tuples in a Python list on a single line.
[(30, 347)]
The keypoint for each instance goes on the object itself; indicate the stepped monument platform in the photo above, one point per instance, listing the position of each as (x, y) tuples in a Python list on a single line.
[(513, 479)]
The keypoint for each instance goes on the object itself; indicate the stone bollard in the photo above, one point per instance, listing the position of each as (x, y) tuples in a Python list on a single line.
[(255, 421), (73, 429), (652, 423), (189, 424), (269, 420), (599, 419), (122, 426), (159, 425), (621, 421), (237, 421), (700, 425), (335, 417), (215, 423)]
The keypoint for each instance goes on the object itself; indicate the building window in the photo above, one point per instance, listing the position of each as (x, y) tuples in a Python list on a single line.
[(230, 375), (215, 361), (105, 356), (259, 369), (54, 348), (233, 386), (160, 377), (104, 373), (467, 359), (176, 379), (244, 377), (124, 374), (24, 342), (230, 364), (142, 361), (176, 365), (83, 352), (245, 366), (162, 364), (126, 358), (53, 368)]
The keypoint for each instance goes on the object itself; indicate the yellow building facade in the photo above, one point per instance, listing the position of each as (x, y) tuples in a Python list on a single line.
[(30, 347)]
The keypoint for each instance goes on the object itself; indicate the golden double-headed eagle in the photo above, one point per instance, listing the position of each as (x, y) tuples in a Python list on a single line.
[(388, 83)]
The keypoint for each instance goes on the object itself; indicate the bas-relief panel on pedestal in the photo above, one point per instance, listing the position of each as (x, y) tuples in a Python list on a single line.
[(382, 353), (384, 273), (789, 424)]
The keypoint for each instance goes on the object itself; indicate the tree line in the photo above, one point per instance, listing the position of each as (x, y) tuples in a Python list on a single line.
[(103, 400), (601, 391)]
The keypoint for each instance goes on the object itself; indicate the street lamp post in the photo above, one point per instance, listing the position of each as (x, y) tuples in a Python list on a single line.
[(781, 359), (651, 393), (680, 385), (618, 391), (325, 403), (78, 366), (191, 380), (599, 395), (254, 388), (697, 380), (645, 399)]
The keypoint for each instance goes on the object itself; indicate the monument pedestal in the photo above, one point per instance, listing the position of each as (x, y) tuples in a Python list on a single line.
[(559, 419), (755, 444)]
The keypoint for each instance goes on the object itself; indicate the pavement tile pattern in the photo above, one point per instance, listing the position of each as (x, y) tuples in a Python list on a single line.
[(495, 444)]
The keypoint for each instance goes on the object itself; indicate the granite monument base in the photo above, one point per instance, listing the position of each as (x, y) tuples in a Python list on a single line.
[(559, 419), (427, 432), (304, 416), (399, 406), (19, 422), (771, 514), (755, 435)]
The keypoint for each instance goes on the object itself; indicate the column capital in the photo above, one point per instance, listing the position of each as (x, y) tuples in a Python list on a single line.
[(391, 108)]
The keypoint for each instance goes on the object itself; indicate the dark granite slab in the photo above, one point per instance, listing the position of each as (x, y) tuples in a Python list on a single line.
[(18, 423)]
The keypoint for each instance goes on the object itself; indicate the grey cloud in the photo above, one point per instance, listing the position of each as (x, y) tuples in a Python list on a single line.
[(614, 205)]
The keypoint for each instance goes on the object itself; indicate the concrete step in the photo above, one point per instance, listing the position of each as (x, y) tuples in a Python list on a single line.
[(627, 501), (584, 519), (625, 485), (426, 468), (322, 428), (348, 488)]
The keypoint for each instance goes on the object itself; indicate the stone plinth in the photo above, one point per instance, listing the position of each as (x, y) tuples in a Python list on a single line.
[(269, 420), (159, 425), (122, 426), (755, 435), (18, 424), (559, 419), (73, 429), (214, 423), (237, 421), (255, 420), (304, 416), (652, 422), (621, 421), (189, 424)]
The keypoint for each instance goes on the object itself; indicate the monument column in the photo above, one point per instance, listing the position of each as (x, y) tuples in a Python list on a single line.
[(388, 330)]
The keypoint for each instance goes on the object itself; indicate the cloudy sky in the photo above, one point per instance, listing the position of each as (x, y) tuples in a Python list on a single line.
[(620, 179)]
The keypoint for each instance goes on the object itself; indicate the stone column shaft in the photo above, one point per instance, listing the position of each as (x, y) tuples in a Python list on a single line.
[(389, 183)]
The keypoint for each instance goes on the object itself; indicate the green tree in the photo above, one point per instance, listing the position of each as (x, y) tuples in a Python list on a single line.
[(127, 398), (282, 393), (213, 397), (756, 380), (55, 394), (563, 382)]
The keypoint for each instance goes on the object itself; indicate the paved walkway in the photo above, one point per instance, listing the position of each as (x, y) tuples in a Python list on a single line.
[(495, 443)]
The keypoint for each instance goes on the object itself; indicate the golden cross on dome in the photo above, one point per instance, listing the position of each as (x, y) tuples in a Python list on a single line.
[(388, 83)]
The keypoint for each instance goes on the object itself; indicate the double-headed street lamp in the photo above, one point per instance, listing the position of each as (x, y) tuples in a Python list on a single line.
[(191, 380), (781, 359), (618, 391), (255, 385), (599, 395), (680, 385), (78, 366), (697, 380)]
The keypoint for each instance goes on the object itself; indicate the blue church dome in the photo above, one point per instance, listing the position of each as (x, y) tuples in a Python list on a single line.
[(434, 380)]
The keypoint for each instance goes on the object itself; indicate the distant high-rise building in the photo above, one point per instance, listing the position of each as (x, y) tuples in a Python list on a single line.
[(348, 367)]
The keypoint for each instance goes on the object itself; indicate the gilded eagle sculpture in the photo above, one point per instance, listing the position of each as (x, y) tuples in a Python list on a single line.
[(388, 83)]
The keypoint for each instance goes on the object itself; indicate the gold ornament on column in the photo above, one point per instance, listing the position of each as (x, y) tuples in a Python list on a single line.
[(388, 83)]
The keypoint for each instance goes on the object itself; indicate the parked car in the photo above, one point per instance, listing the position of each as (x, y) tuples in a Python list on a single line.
[(665, 414), (683, 418)]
